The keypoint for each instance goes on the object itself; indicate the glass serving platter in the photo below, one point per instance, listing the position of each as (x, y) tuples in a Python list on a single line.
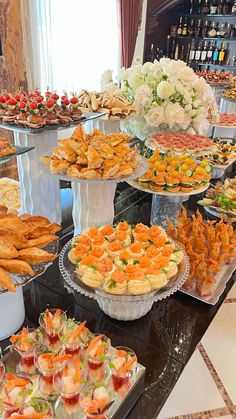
[(120, 408), (86, 116), (122, 307), (18, 152), (137, 185), (39, 269), (142, 168)]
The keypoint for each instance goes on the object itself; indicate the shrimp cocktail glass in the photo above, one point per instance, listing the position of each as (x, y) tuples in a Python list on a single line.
[(27, 343), (75, 337), (96, 358), (52, 321), (14, 390), (68, 383), (49, 364), (95, 401), (36, 408), (122, 367)]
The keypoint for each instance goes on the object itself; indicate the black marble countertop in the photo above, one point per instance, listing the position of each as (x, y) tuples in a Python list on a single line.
[(163, 340)]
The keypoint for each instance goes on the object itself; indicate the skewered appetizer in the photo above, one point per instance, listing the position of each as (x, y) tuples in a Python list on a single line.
[(175, 173), (34, 110), (6, 148), (93, 156), (222, 197), (22, 242), (208, 246), (230, 94), (180, 142), (127, 261), (10, 194), (27, 343)]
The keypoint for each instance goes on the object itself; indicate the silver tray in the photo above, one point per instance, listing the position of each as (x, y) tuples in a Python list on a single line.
[(221, 280), (39, 269)]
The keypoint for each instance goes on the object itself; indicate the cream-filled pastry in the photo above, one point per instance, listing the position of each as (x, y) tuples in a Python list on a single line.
[(114, 249), (171, 270), (108, 232), (92, 277), (136, 250), (115, 283), (123, 237)]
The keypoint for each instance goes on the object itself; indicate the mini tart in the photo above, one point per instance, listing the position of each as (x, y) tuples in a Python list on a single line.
[(108, 232), (143, 239), (84, 240), (99, 240), (171, 270), (77, 253), (135, 250), (82, 266), (123, 226), (114, 248), (123, 237), (160, 241), (155, 232), (140, 228), (138, 287), (153, 253), (123, 260), (98, 252), (116, 283), (90, 232), (145, 263), (177, 256), (105, 265), (134, 272), (92, 277), (157, 279)]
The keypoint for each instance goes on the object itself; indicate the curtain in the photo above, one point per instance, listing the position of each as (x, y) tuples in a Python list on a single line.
[(129, 14), (69, 44)]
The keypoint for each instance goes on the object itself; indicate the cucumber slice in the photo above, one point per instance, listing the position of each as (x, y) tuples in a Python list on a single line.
[(189, 173), (208, 168)]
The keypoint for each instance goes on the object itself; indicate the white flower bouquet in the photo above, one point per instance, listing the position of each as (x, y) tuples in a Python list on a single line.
[(167, 95)]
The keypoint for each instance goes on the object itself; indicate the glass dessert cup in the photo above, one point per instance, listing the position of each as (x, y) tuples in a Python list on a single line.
[(48, 371), (75, 337), (2, 371), (95, 401), (52, 321), (27, 346), (36, 405), (96, 358), (68, 384), (14, 390), (122, 367)]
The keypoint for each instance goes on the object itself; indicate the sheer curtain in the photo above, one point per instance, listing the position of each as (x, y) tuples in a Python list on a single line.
[(69, 44)]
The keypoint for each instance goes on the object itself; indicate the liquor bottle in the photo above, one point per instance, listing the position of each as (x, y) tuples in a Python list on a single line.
[(213, 7), (191, 28), (198, 9), (233, 10), (233, 32), (205, 29), (198, 52), (191, 7), (204, 53), (215, 56), (192, 52), (227, 7), (152, 53), (182, 53), (210, 53), (168, 46), (228, 30), (220, 7), (197, 31), (212, 30), (172, 54), (179, 29), (222, 54), (188, 52), (222, 30), (176, 54), (206, 7), (185, 28)]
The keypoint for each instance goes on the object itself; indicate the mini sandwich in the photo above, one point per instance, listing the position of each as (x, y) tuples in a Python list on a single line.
[(51, 118), (35, 121), (21, 119), (157, 183), (145, 179), (172, 184), (9, 116), (64, 116), (187, 184)]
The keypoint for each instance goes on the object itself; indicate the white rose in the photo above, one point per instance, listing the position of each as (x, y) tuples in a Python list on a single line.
[(165, 90), (142, 93), (155, 116), (135, 80), (186, 121), (147, 68), (174, 114)]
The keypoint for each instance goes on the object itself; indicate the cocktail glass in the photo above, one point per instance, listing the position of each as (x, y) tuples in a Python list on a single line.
[(51, 338), (11, 397), (37, 405), (121, 378), (96, 363), (27, 351), (69, 388), (75, 337), (93, 405)]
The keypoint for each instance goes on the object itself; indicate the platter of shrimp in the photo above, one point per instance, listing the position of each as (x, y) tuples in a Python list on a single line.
[(125, 260), (61, 369), (211, 248)]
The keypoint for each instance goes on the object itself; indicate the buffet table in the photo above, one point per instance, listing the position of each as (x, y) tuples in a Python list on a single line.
[(163, 340)]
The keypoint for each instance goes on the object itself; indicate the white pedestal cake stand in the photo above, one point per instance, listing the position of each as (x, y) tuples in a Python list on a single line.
[(166, 204)]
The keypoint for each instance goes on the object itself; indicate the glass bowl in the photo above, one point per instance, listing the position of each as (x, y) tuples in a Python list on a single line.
[(123, 307)]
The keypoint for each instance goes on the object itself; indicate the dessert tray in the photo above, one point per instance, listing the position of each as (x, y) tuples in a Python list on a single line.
[(75, 368), (18, 152), (121, 307), (136, 184)]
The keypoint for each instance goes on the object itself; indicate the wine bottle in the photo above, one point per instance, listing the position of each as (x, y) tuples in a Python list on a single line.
[(233, 10), (176, 54), (213, 7), (198, 52), (206, 7), (222, 30), (179, 29), (210, 53), (204, 53), (191, 7), (172, 54), (215, 56), (197, 32), (192, 52), (227, 7), (205, 29), (198, 10), (185, 28), (222, 54), (220, 7), (233, 32), (182, 53), (212, 30), (191, 28)]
